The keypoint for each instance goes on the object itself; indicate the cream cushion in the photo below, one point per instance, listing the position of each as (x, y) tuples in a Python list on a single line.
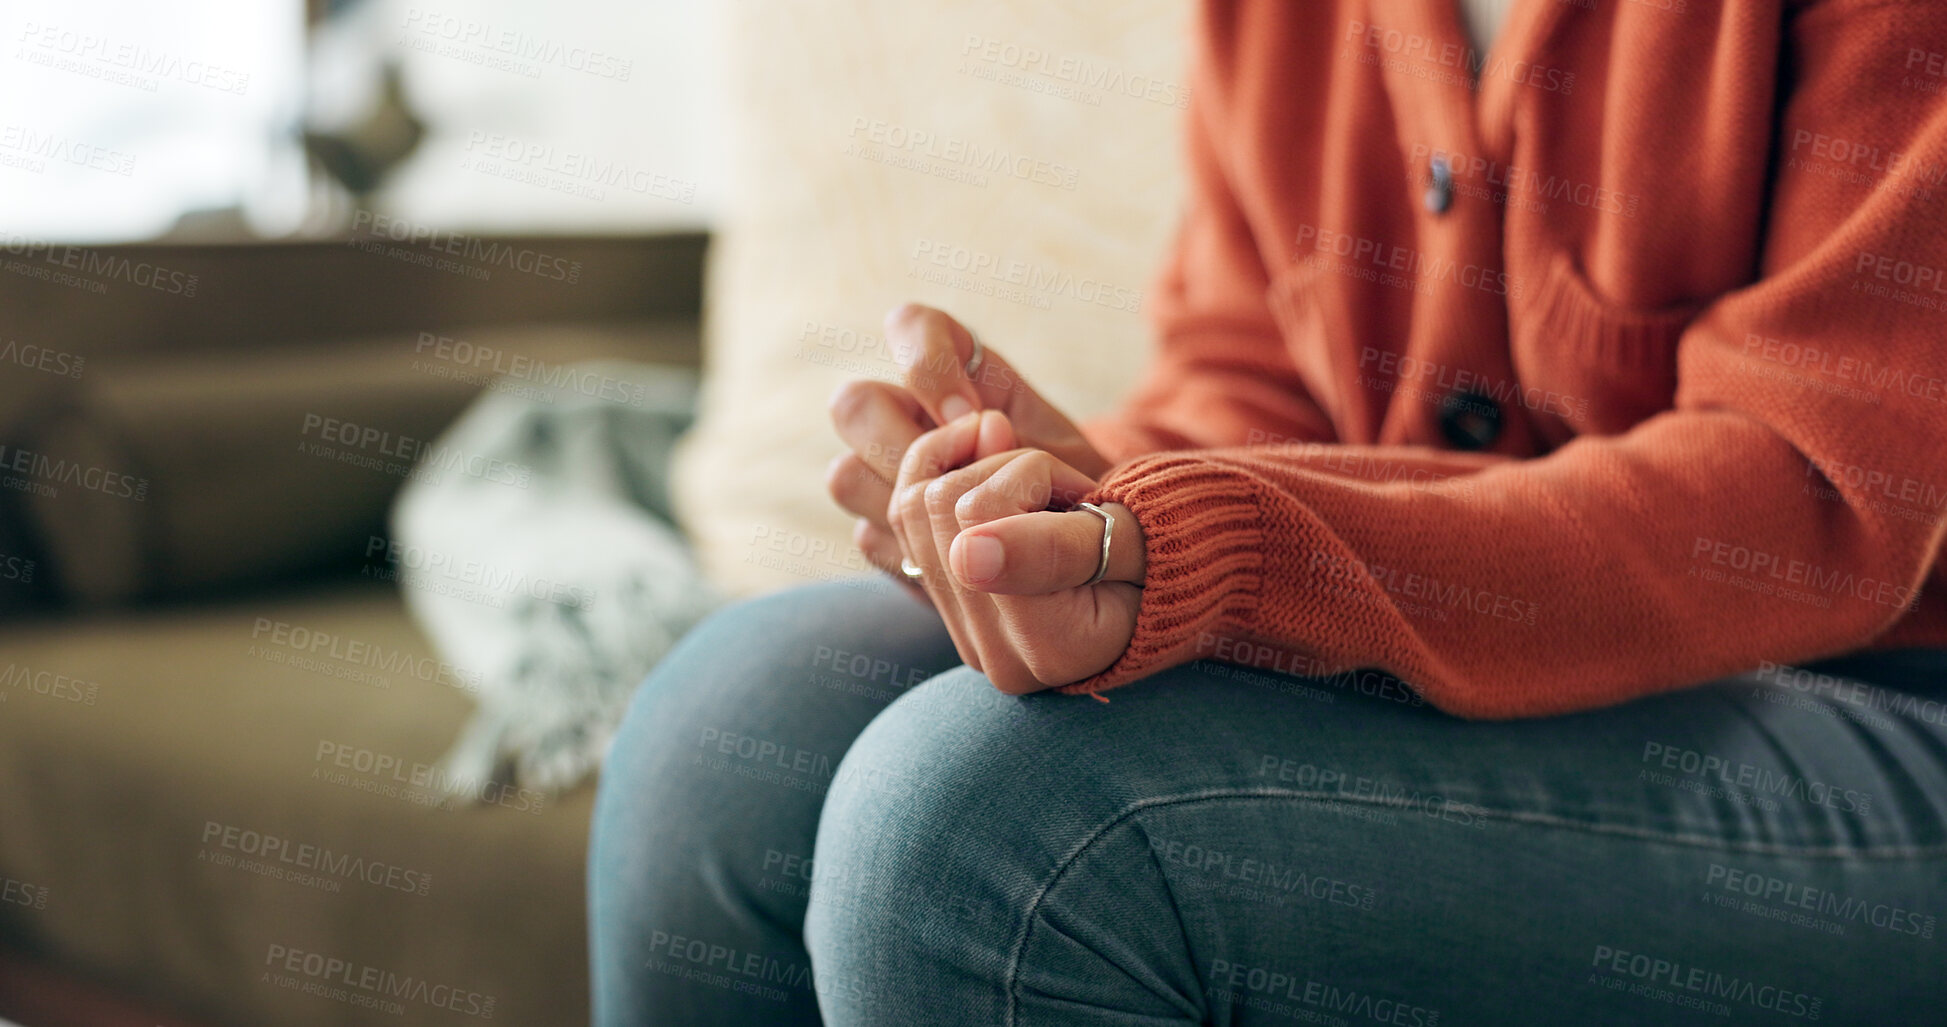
[(1013, 163)]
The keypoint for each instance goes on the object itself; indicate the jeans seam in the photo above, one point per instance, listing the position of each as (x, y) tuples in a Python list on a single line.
[(1548, 820)]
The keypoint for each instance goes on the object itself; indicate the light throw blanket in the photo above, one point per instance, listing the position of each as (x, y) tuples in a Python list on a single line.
[(535, 548)]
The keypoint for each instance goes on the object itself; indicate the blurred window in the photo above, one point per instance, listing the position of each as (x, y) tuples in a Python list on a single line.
[(119, 116), (123, 120)]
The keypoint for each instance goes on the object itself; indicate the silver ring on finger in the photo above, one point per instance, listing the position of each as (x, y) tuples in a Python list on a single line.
[(1108, 536), (911, 570)]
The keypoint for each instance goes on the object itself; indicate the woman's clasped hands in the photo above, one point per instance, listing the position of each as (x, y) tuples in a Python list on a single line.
[(965, 483)]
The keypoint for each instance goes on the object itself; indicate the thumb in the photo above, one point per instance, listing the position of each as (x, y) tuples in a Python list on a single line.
[(1043, 552)]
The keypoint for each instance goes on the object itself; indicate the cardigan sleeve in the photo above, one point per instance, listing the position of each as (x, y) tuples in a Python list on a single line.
[(1767, 516), (1221, 374)]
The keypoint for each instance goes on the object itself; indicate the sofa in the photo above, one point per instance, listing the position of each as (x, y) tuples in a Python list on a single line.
[(218, 727)]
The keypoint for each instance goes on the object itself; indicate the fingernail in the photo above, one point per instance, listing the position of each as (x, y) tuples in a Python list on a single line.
[(982, 559), (954, 408)]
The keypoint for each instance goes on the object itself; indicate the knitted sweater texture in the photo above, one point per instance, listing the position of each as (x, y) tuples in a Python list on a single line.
[(1605, 363)]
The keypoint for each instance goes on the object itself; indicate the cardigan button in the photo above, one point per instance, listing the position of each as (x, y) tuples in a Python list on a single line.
[(1470, 420), (1439, 191)]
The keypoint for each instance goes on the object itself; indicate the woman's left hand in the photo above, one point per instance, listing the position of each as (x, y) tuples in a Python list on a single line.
[(1007, 573)]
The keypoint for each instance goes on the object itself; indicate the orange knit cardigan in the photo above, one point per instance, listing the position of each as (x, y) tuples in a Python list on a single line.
[(1609, 361)]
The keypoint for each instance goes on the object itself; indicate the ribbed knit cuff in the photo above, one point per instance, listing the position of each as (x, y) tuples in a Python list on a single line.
[(1204, 547)]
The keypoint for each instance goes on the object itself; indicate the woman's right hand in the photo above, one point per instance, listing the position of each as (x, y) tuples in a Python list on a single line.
[(879, 420)]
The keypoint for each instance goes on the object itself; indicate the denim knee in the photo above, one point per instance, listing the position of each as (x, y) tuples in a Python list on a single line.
[(941, 822), (931, 773), (736, 684), (653, 797), (709, 802)]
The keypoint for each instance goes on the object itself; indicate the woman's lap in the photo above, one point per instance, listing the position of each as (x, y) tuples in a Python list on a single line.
[(1219, 845)]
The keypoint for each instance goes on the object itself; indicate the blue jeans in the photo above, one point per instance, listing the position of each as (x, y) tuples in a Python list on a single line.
[(813, 810)]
